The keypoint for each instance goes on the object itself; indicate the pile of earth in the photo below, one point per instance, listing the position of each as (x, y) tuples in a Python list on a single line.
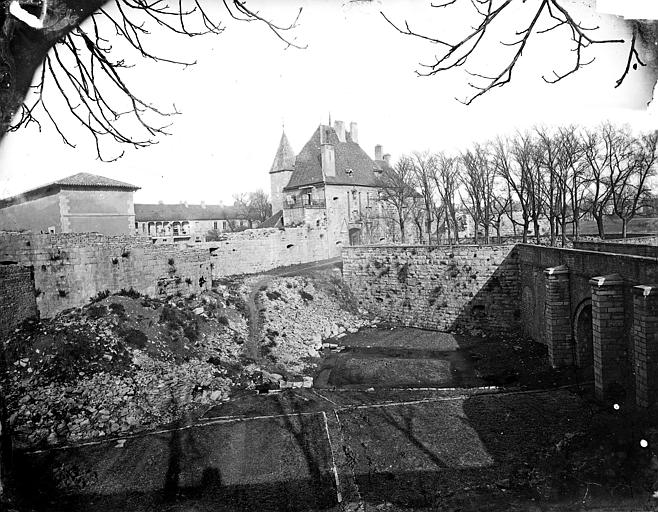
[(121, 363), (299, 314)]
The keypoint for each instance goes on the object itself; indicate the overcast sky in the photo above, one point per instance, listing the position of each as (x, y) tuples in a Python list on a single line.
[(245, 85)]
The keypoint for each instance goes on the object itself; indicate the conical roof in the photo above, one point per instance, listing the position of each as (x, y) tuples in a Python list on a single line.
[(284, 159)]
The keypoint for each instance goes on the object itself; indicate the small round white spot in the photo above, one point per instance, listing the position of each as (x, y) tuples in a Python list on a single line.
[(644, 443), (616, 407)]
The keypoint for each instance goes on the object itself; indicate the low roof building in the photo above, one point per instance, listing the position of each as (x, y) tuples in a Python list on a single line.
[(80, 203)]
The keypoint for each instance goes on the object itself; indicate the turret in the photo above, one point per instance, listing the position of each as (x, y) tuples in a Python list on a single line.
[(281, 171)]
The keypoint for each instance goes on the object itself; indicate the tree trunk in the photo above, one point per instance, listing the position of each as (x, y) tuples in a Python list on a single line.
[(526, 225), (553, 226), (23, 49), (624, 226), (599, 225), (535, 223)]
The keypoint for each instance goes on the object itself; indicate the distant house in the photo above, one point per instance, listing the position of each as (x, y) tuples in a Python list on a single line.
[(80, 203), (332, 183), (187, 222)]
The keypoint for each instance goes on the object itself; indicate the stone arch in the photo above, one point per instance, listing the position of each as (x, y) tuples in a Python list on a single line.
[(582, 333)]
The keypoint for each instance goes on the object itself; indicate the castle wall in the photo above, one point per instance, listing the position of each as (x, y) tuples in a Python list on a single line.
[(17, 300), (258, 250), (437, 287), (69, 269)]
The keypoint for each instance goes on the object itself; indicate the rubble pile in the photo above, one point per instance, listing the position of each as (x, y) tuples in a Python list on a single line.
[(122, 363), (299, 313)]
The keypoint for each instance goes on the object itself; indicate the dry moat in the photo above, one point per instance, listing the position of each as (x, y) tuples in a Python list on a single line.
[(397, 418)]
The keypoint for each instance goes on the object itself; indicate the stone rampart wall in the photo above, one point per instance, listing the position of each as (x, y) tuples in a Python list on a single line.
[(70, 268), (17, 297), (437, 287), (258, 250)]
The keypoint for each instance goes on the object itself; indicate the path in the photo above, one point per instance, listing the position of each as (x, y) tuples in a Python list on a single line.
[(253, 308)]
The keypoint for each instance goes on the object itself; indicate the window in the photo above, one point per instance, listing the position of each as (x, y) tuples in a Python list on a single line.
[(214, 225)]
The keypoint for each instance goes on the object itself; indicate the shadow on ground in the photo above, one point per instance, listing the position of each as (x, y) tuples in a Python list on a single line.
[(391, 449)]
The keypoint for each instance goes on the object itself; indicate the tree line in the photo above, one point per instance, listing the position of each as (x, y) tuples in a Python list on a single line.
[(556, 176)]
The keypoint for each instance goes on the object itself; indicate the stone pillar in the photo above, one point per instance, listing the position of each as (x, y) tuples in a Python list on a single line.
[(558, 317), (610, 358), (645, 344)]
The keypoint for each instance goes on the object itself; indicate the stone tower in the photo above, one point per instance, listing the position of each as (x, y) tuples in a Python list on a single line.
[(282, 167)]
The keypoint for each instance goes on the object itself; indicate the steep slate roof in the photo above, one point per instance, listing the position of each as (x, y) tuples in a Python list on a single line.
[(171, 212), (82, 179), (274, 221), (349, 155), (284, 160)]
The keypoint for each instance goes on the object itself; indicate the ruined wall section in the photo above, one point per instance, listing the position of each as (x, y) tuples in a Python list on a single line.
[(259, 250), (71, 268), (443, 288), (17, 300)]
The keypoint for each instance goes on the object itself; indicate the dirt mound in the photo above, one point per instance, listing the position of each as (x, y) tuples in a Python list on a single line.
[(120, 363), (299, 313)]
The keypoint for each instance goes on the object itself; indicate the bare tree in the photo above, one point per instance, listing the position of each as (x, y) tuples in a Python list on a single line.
[(424, 169), (538, 18), (631, 167), (512, 158), (446, 182), (397, 192), (259, 206), (599, 190), (478, 182), (572, 159), (69, 45), (549, 154), (499, 207)]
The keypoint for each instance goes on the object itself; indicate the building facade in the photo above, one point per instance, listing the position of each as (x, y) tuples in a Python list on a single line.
[(187, 222), (80, 203), (333, 183)]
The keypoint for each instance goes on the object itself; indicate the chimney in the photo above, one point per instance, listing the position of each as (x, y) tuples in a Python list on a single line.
[(160, 201), (339, 126), (185, 203), (354, 132), (328, 154), (378, 152), (203, 205), (387, 158)]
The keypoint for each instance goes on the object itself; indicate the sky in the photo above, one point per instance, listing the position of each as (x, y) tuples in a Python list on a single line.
[(246, 85)]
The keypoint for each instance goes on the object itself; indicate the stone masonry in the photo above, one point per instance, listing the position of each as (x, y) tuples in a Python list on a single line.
[(259, 250), (558, 317), (17, 301), (69, 269), (443, 288), (610, 354), (645, 344)]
